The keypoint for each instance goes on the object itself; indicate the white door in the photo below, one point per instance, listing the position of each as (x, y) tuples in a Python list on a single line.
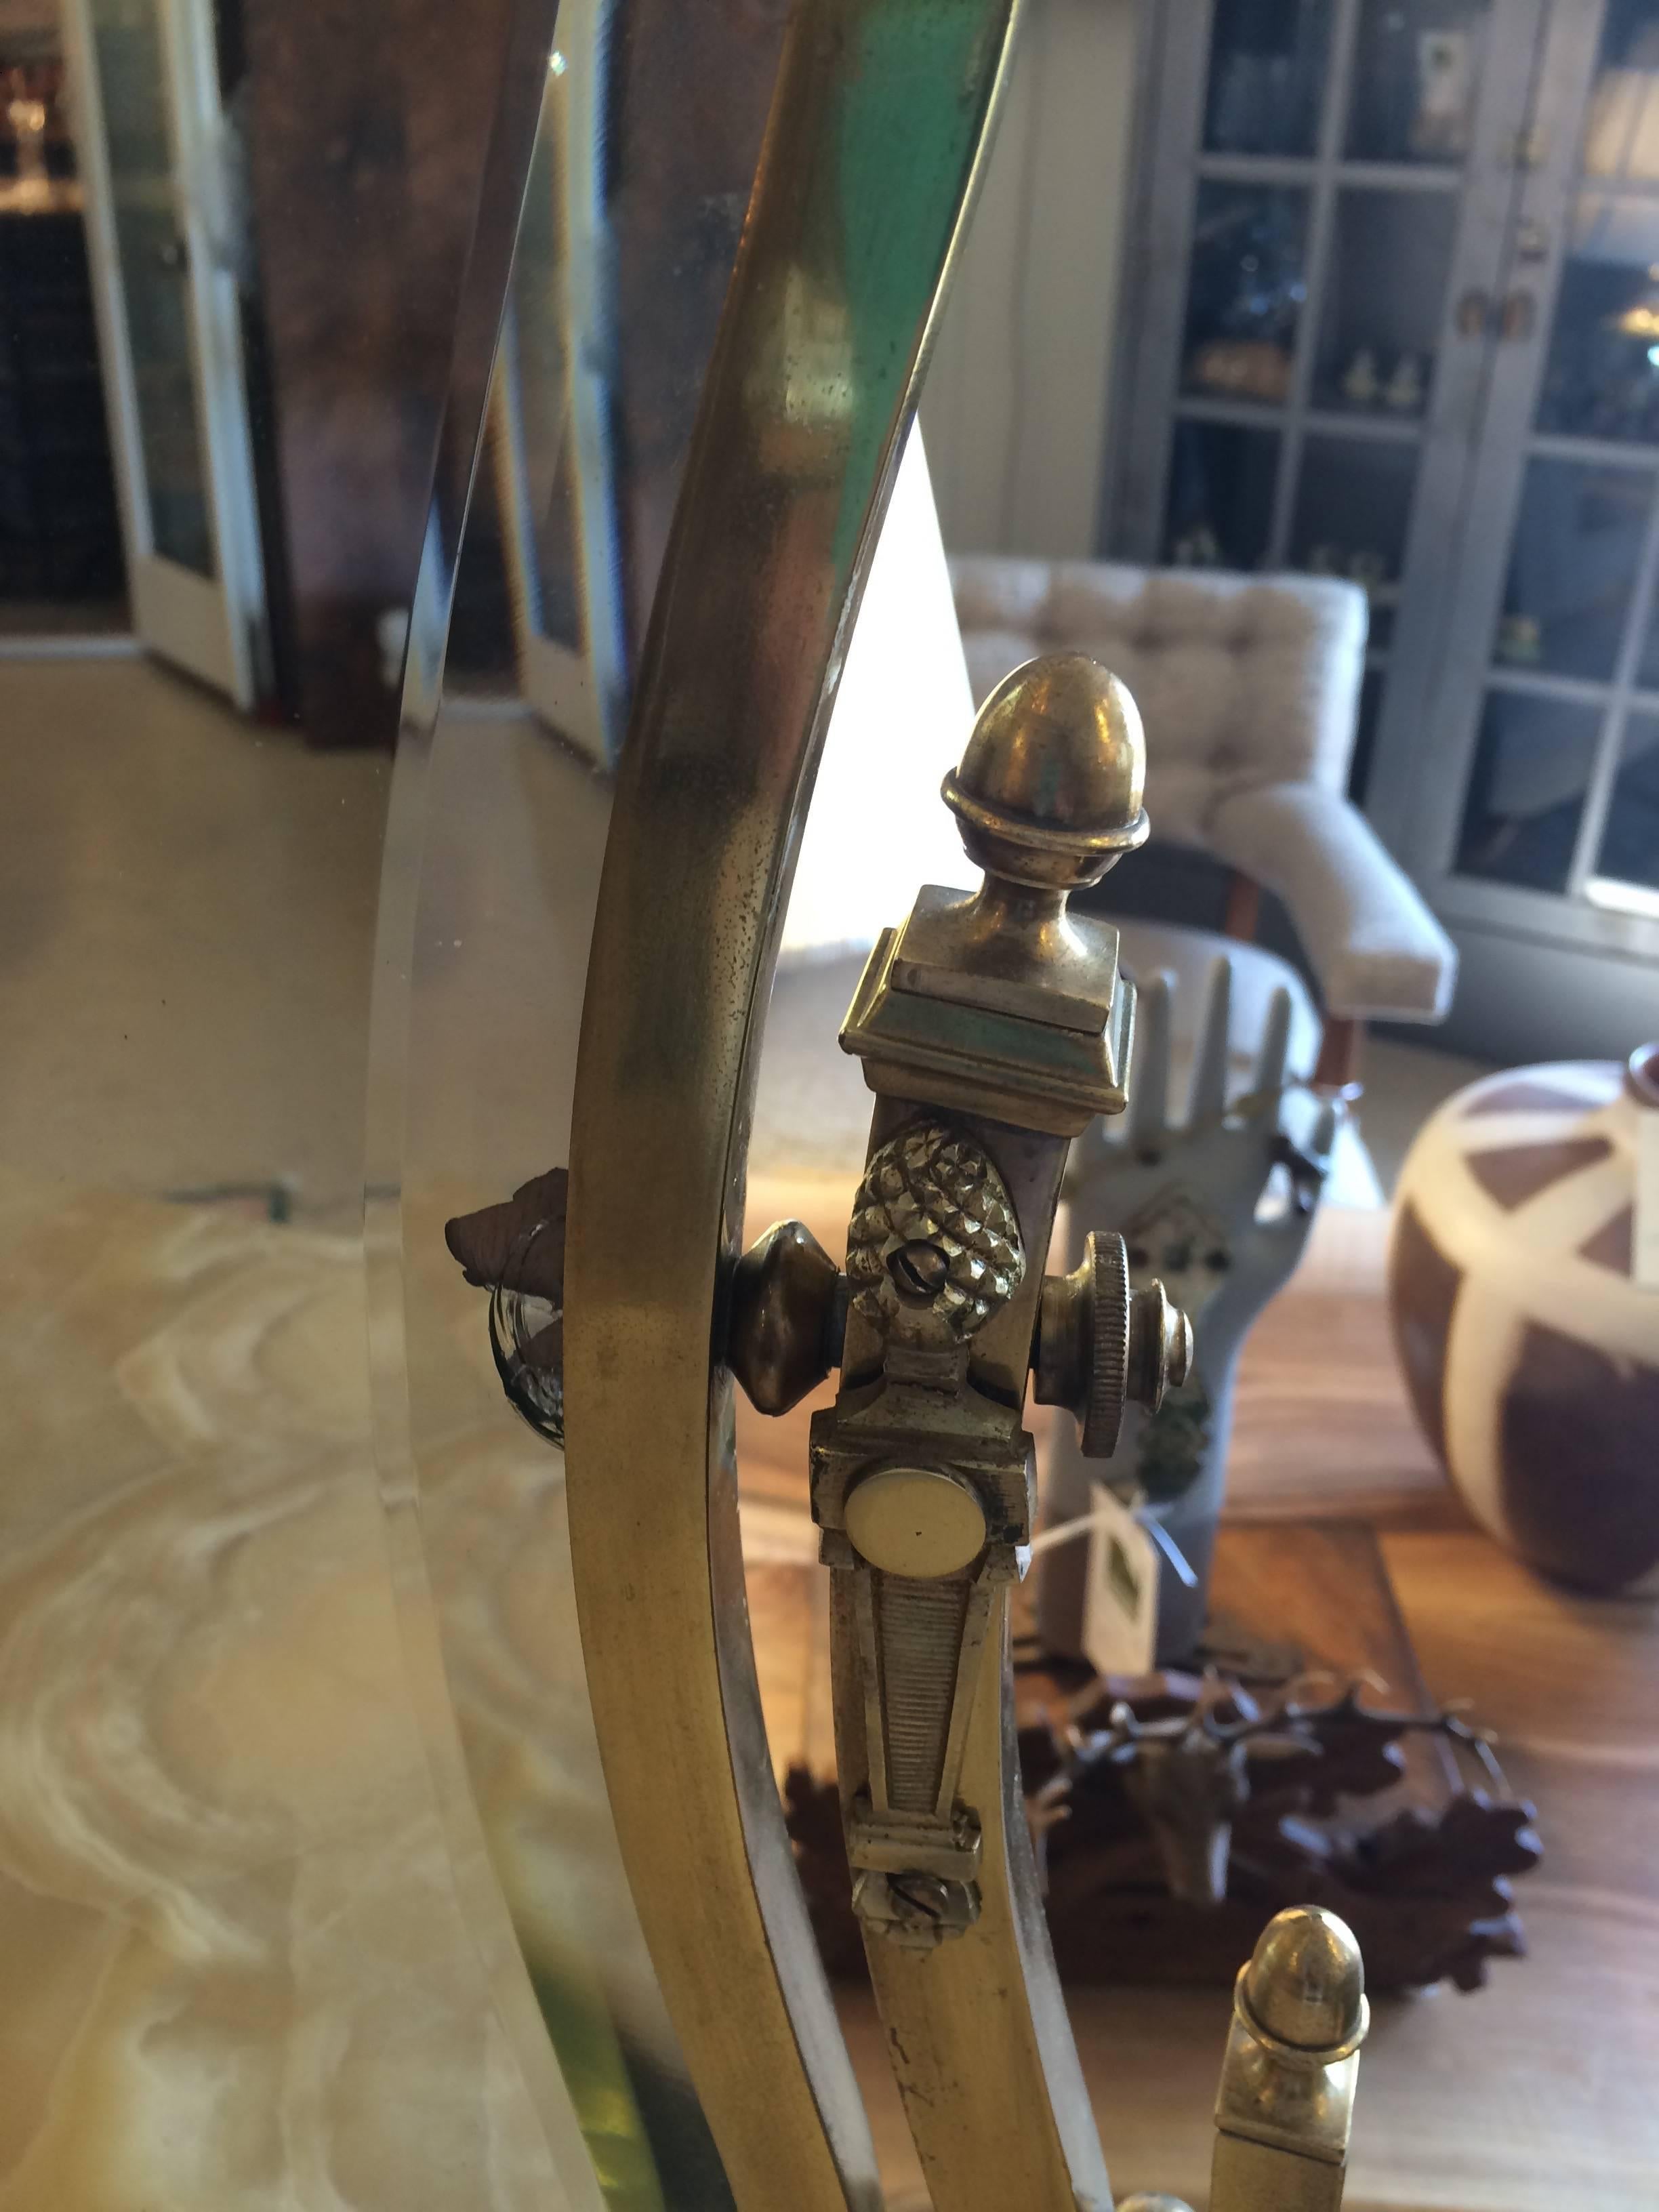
[(550, 414), (161, 231)]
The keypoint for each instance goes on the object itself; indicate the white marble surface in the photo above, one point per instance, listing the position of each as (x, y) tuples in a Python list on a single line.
[(236, 1969)]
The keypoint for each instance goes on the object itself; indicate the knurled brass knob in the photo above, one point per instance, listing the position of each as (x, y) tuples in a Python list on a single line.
[(1101, 1346)]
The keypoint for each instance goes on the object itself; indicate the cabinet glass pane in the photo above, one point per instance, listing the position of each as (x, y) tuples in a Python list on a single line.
[(1621, 129), (1416, 64), (154, 275), (1353, 502), (1629, 840), (1572, 568), (1384, 294), (1245, 292), (1532, 768), (1221, 495), (1266, 74), (1601, 375)]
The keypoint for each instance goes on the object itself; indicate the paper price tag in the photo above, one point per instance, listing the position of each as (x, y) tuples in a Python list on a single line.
[(1120, 1605)]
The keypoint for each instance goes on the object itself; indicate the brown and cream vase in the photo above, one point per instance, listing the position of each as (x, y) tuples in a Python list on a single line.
[(1530, 1349)]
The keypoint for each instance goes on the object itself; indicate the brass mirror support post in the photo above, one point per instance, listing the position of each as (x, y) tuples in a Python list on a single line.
[(992, 1028), (876, 134)]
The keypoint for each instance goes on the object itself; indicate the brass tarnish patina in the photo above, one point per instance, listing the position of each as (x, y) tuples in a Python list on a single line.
[(991, 1026)]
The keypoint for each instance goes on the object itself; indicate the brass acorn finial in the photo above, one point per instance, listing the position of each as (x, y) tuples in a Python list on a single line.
[(1285, 2102), (1305, 1984), (1049, 790)]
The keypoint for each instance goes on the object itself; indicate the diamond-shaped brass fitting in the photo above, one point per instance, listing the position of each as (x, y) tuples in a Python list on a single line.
[(788, 1314)]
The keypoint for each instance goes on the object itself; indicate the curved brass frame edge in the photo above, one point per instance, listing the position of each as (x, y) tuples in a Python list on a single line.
[(655, 1205)]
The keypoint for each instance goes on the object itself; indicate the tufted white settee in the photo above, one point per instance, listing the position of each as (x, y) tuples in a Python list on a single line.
[(1248, 687)]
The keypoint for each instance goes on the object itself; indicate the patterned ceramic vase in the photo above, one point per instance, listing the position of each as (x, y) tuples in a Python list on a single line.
[(1531, 1352)]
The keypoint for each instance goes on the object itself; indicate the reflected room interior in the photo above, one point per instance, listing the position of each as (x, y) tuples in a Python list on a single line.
[(1300, 363)]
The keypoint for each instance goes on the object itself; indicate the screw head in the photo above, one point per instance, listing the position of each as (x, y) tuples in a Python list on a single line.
[(919, 1271), (1160, 1345)]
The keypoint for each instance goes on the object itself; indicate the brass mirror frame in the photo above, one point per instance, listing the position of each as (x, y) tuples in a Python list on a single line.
[(875, 142)]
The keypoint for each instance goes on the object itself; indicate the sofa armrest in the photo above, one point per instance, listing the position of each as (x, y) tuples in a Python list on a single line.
[(1374, 945)]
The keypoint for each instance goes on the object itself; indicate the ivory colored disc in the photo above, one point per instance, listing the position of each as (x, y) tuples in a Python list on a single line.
[(912, 1521)]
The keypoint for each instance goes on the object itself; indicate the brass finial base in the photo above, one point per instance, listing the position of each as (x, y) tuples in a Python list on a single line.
[(999, 1002), (1285, 2102)]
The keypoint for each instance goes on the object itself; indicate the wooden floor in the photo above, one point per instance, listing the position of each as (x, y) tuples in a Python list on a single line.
[(1542, 2091)]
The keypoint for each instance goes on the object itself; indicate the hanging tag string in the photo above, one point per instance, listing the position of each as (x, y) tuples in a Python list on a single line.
[(1065, 1532)]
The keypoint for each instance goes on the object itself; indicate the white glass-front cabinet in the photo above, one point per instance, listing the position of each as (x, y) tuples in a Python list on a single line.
[(1394, 294)]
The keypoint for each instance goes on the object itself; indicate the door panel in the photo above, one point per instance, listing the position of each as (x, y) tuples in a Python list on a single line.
[(1398, 320), (148, 117)]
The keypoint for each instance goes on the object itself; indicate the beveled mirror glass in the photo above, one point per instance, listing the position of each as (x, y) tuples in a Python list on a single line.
[(309, 1885)]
